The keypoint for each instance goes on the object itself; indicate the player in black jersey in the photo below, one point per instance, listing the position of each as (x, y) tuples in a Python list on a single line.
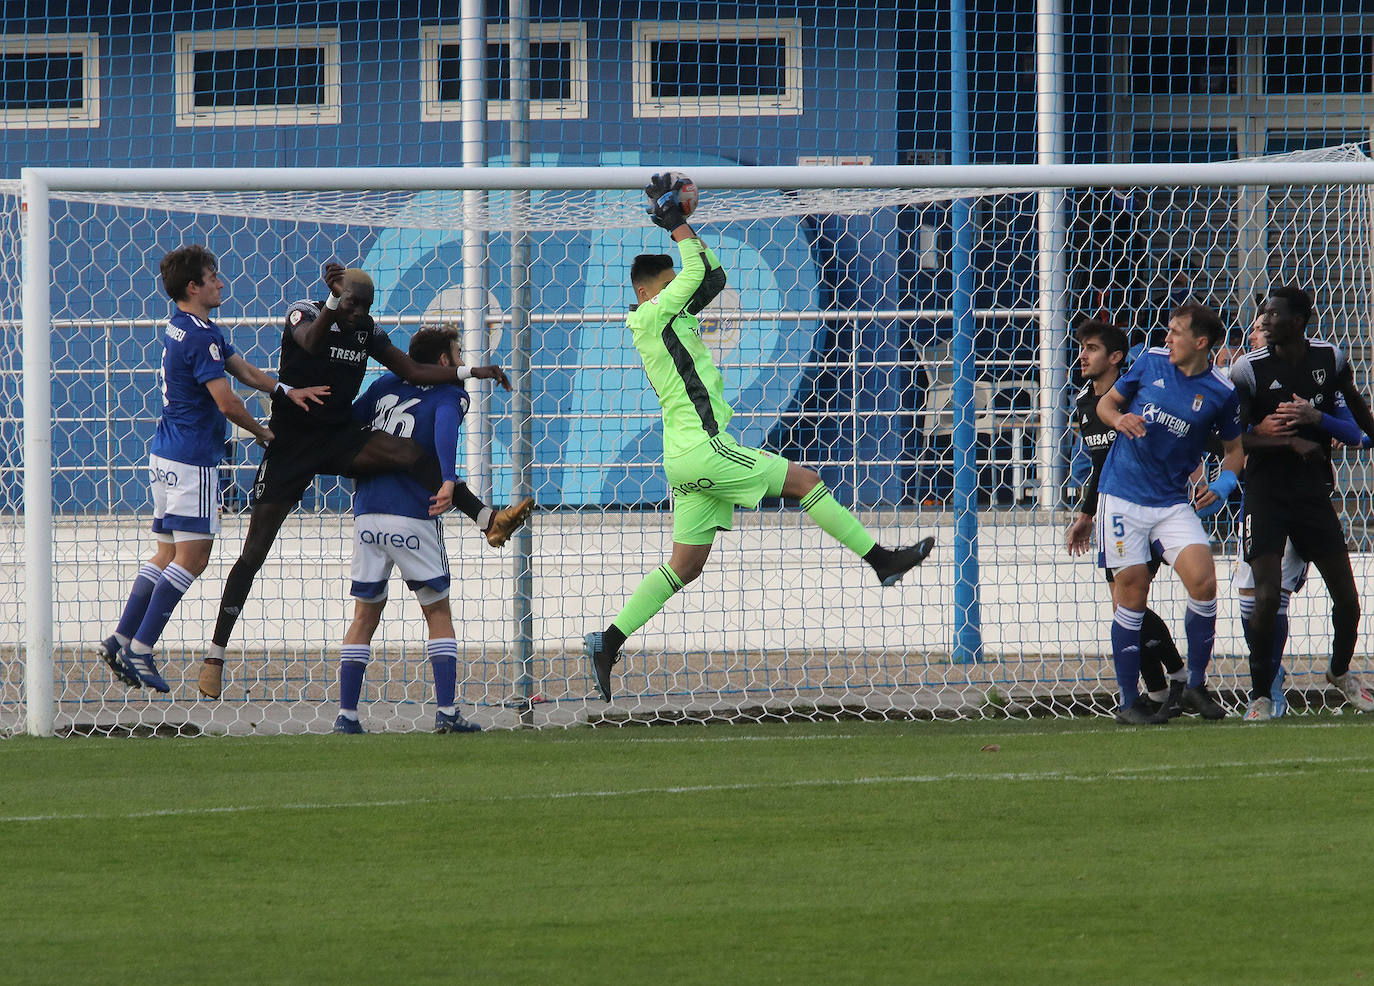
[(329, 342), (1102, 350), (1289, 482)]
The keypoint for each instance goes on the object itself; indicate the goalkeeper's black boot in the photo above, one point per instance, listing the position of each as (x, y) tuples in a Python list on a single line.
[(1141, 714), (892, 565), (595, 647)]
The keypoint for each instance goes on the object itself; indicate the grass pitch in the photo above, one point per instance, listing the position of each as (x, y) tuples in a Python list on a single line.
[(837, 853)]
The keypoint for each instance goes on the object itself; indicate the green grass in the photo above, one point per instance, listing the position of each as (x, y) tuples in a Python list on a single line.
[(841, 853)]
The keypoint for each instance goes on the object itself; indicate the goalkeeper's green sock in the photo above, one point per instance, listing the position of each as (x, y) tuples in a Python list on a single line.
[(657, 588), (836, 521)]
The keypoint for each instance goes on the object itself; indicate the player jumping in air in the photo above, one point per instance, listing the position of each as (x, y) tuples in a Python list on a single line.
[(395, 524), (1289, 484), (709, 474), (183, 461), (1166, 405), (1102, 349), (329, 342)]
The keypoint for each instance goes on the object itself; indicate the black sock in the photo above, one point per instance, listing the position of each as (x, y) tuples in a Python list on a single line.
[(614, 639), (1158, 652), (877, 555), (236, 589), (465, 500)]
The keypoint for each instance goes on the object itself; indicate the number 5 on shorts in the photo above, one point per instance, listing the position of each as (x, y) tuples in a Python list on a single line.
[(1118, 527)]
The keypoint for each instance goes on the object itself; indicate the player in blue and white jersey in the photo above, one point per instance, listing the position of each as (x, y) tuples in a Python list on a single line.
[(1166, 406), (396, 523), (184, 458)]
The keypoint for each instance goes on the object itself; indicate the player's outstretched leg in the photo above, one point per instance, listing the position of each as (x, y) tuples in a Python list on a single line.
[(889, 564), (602, 647), (264, 523)]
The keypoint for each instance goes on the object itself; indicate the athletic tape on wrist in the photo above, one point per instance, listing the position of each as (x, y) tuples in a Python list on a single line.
[(332, 302), (463, 372)]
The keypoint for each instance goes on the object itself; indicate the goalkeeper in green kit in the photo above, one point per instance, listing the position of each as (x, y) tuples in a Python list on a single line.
[(708, 473)]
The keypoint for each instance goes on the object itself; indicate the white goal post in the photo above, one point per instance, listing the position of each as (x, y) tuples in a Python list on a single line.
[(838, 647)]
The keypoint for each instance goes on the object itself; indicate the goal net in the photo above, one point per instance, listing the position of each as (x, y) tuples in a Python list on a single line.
[(846, 344)]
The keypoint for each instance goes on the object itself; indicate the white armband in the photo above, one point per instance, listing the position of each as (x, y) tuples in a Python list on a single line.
[(281, 388), (463, 372), (332, 302)]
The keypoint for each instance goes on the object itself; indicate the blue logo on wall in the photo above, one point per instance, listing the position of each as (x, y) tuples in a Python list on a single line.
[(597, 433)]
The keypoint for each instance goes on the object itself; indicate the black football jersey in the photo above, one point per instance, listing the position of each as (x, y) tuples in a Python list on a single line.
[(1097, 438), (339, 364), (1264, 381)]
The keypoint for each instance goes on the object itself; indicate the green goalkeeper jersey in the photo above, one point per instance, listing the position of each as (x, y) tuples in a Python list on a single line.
[(667, 334)]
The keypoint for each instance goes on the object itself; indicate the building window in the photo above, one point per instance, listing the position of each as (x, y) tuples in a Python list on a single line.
[(263, 77), (557, 72), (717, 68), (1304, 64), (49, 81), (1170, 65)]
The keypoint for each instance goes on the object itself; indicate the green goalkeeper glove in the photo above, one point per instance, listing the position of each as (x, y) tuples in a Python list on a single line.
[(663, 194)]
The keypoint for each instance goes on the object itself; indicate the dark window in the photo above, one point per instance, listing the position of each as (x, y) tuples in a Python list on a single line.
[(259, 77), (718, 69), (550, 71), (49, 80), (1171, 65), (1301, 63)]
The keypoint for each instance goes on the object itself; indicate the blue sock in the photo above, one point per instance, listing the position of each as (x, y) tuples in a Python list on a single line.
[(172, 585), (443, 658), (352, 668), (1126, 653), (144, 583), (1200, 627)]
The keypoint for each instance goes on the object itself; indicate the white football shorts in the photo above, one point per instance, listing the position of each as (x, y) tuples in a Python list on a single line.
[(185, 499), (414, 546), (1126, 532), (1294, 571)]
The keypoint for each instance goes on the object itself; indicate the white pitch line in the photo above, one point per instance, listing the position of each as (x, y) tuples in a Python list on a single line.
[(1187, 772)]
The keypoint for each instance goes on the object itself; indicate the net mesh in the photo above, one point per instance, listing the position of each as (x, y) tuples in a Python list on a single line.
[(834, 334)]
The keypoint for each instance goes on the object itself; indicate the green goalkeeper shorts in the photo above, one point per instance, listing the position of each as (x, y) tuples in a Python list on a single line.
[(713, 478)]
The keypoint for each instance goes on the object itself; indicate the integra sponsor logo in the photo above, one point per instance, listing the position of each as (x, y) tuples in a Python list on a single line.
[(1154, 414), (390, 539)]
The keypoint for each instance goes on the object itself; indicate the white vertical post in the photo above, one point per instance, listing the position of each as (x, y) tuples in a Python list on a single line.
[(38, 659), (1051, 253), (521, 343), (476, 340)]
